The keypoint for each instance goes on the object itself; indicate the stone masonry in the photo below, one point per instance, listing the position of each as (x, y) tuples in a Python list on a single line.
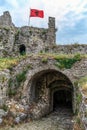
[(15, 41), (28, 89)]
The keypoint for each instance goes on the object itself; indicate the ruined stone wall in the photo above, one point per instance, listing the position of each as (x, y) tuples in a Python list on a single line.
[(83, 109), (51, 31), (33, 69), (4, 78), (5, 19), (32, 39), (7, 37), (67, 49)]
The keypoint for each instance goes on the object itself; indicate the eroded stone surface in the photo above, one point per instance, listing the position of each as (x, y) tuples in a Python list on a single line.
[(61, 119), (34, 96)]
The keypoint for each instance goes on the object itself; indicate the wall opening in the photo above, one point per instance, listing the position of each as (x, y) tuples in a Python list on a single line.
[(22, 49), (53, 89), (62, 98)]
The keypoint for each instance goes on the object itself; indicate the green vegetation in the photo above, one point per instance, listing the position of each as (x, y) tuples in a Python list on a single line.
[(67, 62), (30, 32), (83, 81), (78, 98), (4, 107), (8, 62), (11, 92), (21, 77), (78, 120), (44, 60), (6, 28), (63, 60), (23, 53), (81, 86), (10, 82), (1, 38), (44, 32), (17, 35)]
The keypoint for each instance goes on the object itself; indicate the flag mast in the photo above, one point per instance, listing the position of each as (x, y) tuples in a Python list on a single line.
[(29, 18)]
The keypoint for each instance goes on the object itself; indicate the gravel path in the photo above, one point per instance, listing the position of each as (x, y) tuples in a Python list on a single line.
[(60, 119)]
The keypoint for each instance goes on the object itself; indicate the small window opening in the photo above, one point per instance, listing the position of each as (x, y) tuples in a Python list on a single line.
[(22, 49)]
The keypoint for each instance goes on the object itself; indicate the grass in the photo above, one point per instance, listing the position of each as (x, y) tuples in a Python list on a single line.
[(20, 77), (83, 81), (67, 61), (7, 63), (83, 84), (84, 87), (64, 59)]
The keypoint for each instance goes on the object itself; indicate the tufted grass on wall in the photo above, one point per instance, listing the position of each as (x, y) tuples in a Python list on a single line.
[(63, 60), (67, 62)]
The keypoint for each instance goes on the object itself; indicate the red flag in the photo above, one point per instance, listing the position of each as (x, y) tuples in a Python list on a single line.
[(36, 13)]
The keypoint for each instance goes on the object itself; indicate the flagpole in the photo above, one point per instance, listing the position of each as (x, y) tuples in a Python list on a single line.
[(29, 19)]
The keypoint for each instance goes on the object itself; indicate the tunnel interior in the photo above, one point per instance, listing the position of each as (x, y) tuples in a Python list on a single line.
[(62, 98), (53, 88)]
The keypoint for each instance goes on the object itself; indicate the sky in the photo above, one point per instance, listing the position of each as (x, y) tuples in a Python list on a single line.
[(70, 17)]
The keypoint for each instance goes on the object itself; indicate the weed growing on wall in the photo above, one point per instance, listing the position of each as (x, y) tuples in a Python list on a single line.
[(44, 60), (67, 62), (21, 77)]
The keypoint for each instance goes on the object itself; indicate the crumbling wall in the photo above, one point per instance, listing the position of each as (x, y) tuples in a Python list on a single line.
[(33, 39), (5, 19), (67, 49), (4, 78)]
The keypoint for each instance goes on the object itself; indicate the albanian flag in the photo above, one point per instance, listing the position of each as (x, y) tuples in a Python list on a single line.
[(36, 13)]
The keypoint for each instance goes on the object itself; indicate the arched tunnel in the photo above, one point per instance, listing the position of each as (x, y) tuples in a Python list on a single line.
[(53, 88), (61, 94), (62, 98)]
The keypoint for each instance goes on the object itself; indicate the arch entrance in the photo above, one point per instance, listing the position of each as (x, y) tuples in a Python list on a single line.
[(53, 88)]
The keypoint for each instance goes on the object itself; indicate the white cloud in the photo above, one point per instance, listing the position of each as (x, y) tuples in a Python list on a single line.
[(58, 9), (63, 7), (68, 14), (13, 3)]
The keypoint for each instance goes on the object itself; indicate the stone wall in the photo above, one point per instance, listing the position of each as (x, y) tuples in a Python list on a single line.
[(13, 42), (5, 19), (83, 110), (29, 39), (4, 78), (20, 40), (7, 37), (33, 39), (67, 49), (33, 69)]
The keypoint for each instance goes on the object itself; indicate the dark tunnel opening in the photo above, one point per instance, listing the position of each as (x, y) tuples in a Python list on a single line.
[(53, 89), (62, 99), (22, 49)]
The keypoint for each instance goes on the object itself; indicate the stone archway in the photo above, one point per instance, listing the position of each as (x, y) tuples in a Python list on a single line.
[(45, 85), (61, 94)]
